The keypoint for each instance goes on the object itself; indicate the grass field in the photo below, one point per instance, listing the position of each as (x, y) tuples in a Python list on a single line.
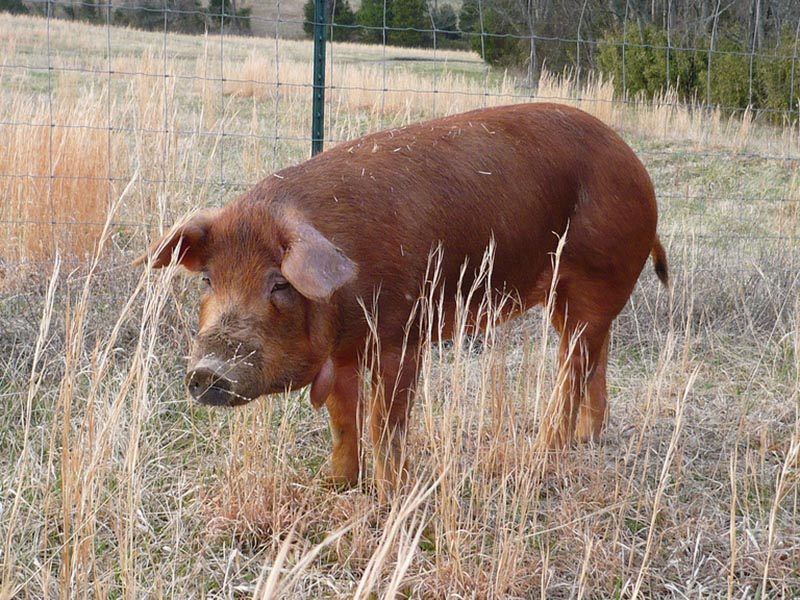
[(114, 485)]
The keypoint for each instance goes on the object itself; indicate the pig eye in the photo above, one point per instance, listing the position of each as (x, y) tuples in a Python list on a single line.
[(205, 278), (280, 284)]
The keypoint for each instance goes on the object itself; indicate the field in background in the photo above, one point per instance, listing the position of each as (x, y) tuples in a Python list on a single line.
[(112, 484)]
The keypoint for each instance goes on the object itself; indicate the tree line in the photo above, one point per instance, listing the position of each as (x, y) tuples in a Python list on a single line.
[(179, 16), (412, 23), (731, 53), (734, 54)]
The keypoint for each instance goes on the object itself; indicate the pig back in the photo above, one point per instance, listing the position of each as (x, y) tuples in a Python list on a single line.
[(516, 174)]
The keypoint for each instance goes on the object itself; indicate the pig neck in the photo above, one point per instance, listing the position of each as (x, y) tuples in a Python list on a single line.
[(322, 385)]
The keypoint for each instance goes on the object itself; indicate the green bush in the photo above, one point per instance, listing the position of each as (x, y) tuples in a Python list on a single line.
[(645, 63), (371, 18), (495, 39), (778, 74), (729, 84), (15, 7), (411, 23), (445, 21), (469, 16), (728, 79), (500, 48), (340, 19), (183, 16), (223, 13), (406, 22)]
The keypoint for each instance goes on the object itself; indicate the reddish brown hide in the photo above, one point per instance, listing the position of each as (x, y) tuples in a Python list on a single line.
[(289, 264)]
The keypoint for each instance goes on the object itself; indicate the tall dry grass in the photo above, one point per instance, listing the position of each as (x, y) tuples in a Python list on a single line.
[(113, 485), (193, 116), (59, 160)]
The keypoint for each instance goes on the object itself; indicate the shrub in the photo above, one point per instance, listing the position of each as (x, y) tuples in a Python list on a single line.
[(645, 63), (183, 16), (15, 7), (469, 16), (497, 43), (778, 75), (411, 23), (340, 19), (494, 35), (445, 21), (372, 20), (724, 77), (225, 14), (730, 85)]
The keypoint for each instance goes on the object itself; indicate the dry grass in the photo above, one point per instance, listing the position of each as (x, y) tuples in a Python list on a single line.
[(58, 201), (113, 485)]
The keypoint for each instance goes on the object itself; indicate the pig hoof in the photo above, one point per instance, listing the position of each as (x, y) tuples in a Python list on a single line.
[(343, 482), (340, 485)]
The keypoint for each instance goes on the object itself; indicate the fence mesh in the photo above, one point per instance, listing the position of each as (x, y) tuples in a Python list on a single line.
[(118, 118), (208, 100)]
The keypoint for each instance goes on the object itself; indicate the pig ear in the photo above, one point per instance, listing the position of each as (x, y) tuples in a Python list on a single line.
[(313, 265), (187, 241)]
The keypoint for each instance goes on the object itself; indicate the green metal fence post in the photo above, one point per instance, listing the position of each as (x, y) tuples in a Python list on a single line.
[(318, 109)]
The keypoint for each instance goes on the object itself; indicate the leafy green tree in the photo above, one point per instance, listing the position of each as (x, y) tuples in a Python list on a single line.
[(724, 77), (410, 23), (341, 20), (372, 20)]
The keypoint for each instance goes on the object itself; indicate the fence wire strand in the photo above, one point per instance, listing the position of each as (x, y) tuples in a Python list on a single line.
[(217, 132)]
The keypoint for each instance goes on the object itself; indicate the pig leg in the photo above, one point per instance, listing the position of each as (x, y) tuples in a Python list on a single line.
[(393, 394), (343, 410), (581, 353), (594, 408)]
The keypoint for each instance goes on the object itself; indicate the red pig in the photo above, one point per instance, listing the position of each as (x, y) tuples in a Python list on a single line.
[(289, 266)]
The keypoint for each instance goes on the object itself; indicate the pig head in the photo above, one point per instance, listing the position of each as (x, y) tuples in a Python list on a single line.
[(267, 310)]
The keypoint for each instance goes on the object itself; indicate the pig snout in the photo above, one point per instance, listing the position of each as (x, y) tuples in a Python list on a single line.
[(209, 382)]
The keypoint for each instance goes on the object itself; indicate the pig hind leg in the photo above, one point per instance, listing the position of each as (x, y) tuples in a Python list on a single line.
[(594, 407), (583, 320)]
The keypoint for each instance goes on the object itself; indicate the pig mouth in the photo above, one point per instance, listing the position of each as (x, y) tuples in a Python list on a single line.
[(211, 382), (215, 382), (213, 391)]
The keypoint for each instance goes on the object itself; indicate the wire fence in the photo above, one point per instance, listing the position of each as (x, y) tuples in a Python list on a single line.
[(191, 111)]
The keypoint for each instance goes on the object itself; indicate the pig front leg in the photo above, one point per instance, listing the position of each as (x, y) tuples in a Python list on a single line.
[(393, 394), (343, 409)]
